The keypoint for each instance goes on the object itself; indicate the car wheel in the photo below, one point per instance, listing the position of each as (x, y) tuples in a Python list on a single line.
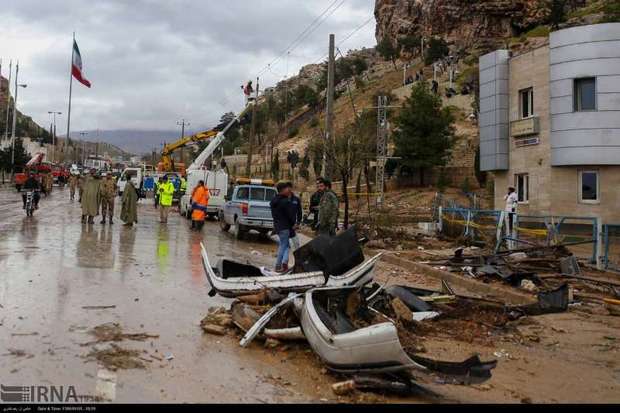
[(239, 231), (223, 224)]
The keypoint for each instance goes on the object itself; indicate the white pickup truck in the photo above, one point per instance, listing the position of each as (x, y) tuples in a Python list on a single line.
[(135, 174), (216, 181)]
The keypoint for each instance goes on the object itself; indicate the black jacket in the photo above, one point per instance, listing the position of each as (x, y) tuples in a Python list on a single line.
[(283, 213), (32, 183)]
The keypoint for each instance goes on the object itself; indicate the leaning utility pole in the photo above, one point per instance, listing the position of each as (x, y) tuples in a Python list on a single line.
[(328, 160), (382, 134), (8, 101), (248, 165)]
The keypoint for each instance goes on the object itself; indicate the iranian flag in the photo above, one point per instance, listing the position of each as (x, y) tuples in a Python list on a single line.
[(76, 66)]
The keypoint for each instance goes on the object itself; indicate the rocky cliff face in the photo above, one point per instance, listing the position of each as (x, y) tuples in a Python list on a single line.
[(460, 21)]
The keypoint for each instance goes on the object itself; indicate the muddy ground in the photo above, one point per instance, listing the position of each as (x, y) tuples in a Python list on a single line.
[(116, 312)]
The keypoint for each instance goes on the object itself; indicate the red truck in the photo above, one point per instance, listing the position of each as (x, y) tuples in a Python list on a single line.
[(34, 166)]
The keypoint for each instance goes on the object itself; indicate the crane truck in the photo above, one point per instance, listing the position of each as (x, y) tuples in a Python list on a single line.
[(215, 180), (167, 162)]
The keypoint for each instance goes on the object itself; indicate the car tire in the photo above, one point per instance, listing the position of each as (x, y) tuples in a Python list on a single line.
[(224, 226), (239, 231)]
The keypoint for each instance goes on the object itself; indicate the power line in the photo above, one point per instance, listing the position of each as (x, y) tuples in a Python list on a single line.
[(311, 28), (347, 37)]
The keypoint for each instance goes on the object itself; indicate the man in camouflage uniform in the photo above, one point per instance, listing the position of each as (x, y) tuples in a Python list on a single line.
[(328, 208), (73, 183), (108, 193)]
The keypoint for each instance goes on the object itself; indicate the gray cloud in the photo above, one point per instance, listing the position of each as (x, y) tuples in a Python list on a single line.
[(152, 62)]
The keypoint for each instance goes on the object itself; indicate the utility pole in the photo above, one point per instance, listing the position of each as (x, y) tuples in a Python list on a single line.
[(328, 161), (8, 101), (248, 165), (83, 134), (382, 133), (17, 86)]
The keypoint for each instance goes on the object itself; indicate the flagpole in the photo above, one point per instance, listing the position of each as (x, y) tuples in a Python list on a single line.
[(70, 88), (8, 101)]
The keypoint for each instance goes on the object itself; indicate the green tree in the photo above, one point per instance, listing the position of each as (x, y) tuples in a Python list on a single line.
[(388, 51), (410, 44), (424, 131), (437, 49)]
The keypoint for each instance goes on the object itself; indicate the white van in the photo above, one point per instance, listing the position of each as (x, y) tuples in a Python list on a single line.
[(216, 181), (135, 174)]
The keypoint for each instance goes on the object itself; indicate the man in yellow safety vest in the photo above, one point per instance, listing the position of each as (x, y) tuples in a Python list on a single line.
[(166, 193)]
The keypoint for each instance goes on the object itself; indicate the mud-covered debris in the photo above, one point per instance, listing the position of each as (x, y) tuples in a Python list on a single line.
[(213, 329), (219, 319), (243, 315), (272, 343), (115, 358), (18, 353), (403, 313), (98, 307), (114, 332), (343, 388)]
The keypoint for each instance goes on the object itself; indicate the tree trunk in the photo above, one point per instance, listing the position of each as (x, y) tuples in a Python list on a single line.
[(358, 185), (368, 185)]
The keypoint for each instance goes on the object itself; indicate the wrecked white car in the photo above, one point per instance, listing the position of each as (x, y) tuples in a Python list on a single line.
[(324, 261)]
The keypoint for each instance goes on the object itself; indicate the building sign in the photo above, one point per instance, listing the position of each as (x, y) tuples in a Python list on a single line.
[(524, 127)]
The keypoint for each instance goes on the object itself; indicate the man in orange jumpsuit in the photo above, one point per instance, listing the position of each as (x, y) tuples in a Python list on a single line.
[(200, 200)]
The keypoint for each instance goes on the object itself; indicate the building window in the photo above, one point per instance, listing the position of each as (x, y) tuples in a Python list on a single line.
[(589, 186), (584, 94), (522, 184), (527, 102)]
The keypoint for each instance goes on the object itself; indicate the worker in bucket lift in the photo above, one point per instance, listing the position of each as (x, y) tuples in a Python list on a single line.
[(247, 91), (512, 201)]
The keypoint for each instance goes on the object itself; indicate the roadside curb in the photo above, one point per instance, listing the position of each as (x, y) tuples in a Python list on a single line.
[(498, 292)]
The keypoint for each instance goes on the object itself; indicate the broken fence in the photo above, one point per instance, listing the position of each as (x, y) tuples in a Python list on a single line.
[(611, 242), (493, 227)]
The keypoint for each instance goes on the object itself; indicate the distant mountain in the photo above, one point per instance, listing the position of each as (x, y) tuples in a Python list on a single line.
[(134, 141)]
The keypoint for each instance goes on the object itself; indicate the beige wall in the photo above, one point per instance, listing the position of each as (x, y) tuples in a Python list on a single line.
[(552, 190)]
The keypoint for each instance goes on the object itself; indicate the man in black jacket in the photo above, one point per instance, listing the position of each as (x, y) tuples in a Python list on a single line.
[(284, 219)]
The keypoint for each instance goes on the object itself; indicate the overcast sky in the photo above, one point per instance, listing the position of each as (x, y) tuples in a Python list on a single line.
[(153, 62)]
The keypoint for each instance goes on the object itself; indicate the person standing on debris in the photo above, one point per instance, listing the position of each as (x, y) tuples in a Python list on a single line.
[(91, 195), (108, 193), (73, 183), (200, 201), (129, 205), (512, 201), (166, 193), (328, 209), (283, 223), (297, 210)]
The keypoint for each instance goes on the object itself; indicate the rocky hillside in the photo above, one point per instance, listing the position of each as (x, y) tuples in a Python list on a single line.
[(25, 126), (467, 22)]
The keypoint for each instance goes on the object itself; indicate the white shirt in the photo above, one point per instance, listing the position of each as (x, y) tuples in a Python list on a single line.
[(512, 200)]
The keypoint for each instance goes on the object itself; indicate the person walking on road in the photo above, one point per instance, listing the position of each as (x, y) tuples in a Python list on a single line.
[(108, 194), (283, 223), (328, 209), (129, 205), (91, 196), (200, 201), (166, 193), (80, 183), (73, 183)]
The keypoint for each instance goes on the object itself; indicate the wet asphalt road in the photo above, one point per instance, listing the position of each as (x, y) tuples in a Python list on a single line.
[(51, 266)]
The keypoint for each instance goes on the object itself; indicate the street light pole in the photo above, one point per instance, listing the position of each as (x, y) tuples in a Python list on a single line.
[(17, 86)]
